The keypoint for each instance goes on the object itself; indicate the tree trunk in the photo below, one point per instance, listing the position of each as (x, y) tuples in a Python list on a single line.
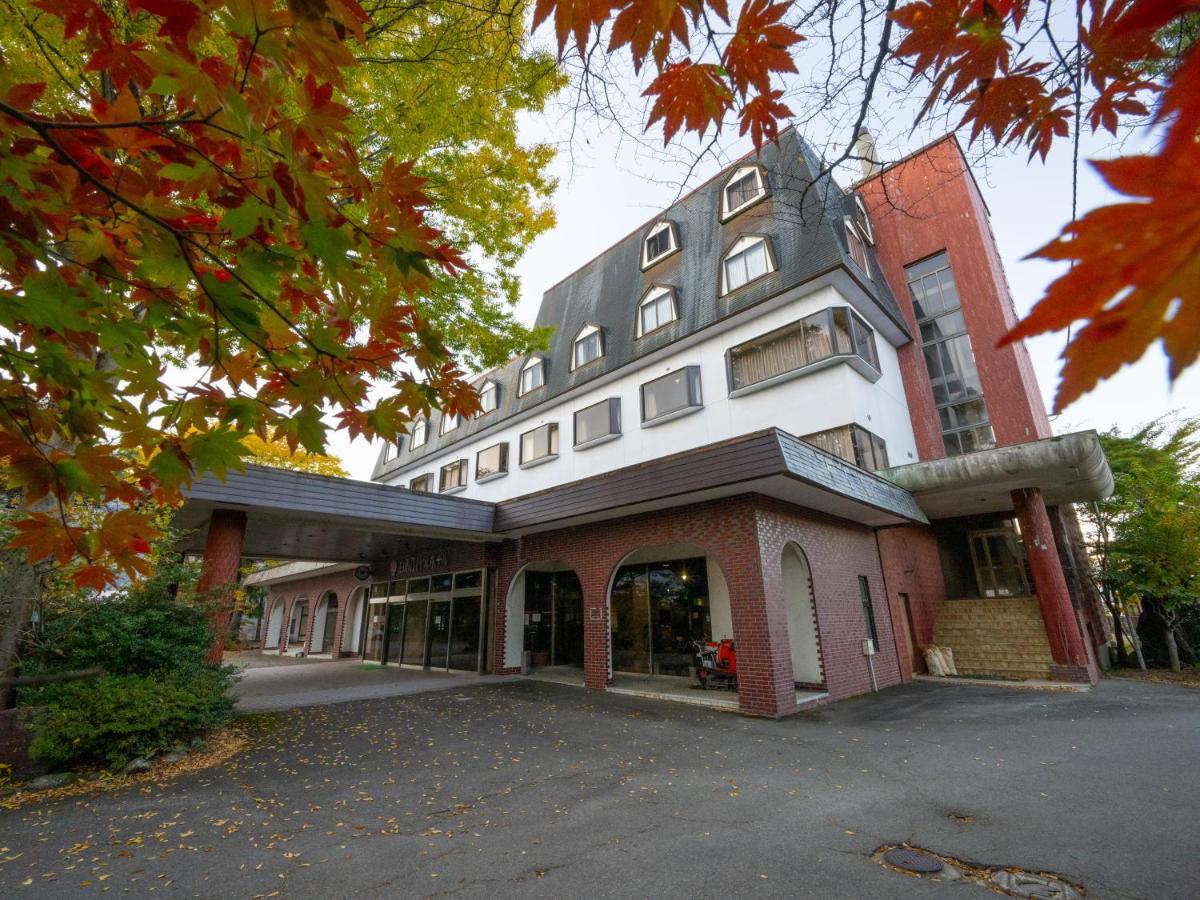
[(1118, 634), (1172, 648), (18, 595)]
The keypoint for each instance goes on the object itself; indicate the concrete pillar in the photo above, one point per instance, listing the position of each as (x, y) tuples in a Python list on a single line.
[(222, 559), (1062, 625)]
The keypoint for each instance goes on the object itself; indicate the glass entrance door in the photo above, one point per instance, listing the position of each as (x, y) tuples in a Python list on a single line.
[(439, 633), (464, 634), (414, 632), (376, 619), (658, 610), (395, 632)]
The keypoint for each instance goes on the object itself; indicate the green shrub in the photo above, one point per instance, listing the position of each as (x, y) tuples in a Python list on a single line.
[(110, 720)]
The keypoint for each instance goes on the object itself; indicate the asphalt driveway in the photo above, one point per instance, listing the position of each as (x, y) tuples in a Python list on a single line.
[(495, 790)]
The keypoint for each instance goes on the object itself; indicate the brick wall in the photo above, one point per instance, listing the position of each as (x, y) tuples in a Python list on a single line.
[(911, 565), (312, 589), (838, 553), (922, 206)]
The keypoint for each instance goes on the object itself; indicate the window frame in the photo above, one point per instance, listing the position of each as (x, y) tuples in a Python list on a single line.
[(421, 424), (444, 428), (503, 468), (551, 442), (460, 466), (488, 386), (672, 243), (412, 483), (727, 211), (587, 331), (695, 396), (613, 405), (991, 567), (854, 239), (857, 436), (869, 368), (868, 604), (654, 294), (867, 228), (742, 245), (391, 452), (534, 362)]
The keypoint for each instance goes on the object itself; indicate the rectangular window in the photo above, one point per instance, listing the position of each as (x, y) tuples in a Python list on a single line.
[(831, 332), (949, 359), (491, 461), (998, 556), (655, 312), (389, 452), (453, 476), (858, 251), (658, 243), (740, 192), (540, 444), (587, 348), (597, 422), (422, 483), (450, 422), (420, 431), (489, 397), (854, 444), (533, 376), (671, 395), (743, 267), (864, 590)]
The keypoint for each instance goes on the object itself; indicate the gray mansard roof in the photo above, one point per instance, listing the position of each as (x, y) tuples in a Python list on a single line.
[(801, 219)]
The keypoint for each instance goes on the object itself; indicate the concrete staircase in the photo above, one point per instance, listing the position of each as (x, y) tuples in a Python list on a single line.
[(1003, 638)]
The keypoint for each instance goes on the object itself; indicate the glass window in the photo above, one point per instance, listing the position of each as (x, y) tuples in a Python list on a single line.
[(491, 461), (533, 376), (864, 590), (588, 346), (656, 310), (999, 559), (539, 443), (450, 422), (800, 344), (748, 261), (599, 420), (858, 252), (743, 188), (659, 243), (854, 444), (949, 358), (420, 432), (389, 452), (864, 219), (423, 483), (453, 476), (489, 396), (672, 393)]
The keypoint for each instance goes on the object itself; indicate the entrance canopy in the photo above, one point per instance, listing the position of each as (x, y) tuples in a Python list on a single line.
[(1066, 469), (297, 516)]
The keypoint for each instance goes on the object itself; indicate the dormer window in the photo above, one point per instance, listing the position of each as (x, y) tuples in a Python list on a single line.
[(865, 223), (661, 241), (489, 397), (747, 260), (389, 452), (744, 188), (588, 346), (450, 422), (858, 251), (533, 375), (420, 432), (656, 309)]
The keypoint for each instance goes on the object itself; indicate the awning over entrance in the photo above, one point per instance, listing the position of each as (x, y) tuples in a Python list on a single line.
[(297, 516), (1066, 469)]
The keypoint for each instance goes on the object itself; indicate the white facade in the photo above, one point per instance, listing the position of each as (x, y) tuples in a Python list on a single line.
[(825, 398)]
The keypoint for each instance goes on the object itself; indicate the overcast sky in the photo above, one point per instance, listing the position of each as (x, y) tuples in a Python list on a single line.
[(609, 187)]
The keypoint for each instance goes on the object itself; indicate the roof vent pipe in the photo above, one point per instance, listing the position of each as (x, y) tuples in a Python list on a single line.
[(864, 149)]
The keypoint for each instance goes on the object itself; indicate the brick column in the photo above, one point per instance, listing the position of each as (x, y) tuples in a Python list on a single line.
[(1062, 625), (596, 630), (222, 559)]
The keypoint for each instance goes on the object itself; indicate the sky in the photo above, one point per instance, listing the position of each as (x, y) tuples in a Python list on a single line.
[(609, 186)]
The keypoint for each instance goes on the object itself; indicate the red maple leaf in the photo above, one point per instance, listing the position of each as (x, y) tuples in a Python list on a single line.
[(761, 117), (759, 46), (691, 95), (576, 17)]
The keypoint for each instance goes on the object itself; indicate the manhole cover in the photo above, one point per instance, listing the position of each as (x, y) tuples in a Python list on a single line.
[(912, 860), (1029, 884)]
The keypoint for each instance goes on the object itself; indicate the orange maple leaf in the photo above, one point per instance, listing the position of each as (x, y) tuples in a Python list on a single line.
[(1136, 277), (761, 117), (759, 46), (576, 17), (691, 95)]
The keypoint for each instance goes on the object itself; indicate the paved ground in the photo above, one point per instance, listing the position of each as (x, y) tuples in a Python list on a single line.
[(547, 791), (289, 683)]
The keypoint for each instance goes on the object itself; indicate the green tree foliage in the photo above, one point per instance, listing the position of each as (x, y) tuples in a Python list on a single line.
[(1148, 548), (224, 218)]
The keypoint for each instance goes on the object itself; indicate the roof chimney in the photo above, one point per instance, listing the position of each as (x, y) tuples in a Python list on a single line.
[(864, 149)]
